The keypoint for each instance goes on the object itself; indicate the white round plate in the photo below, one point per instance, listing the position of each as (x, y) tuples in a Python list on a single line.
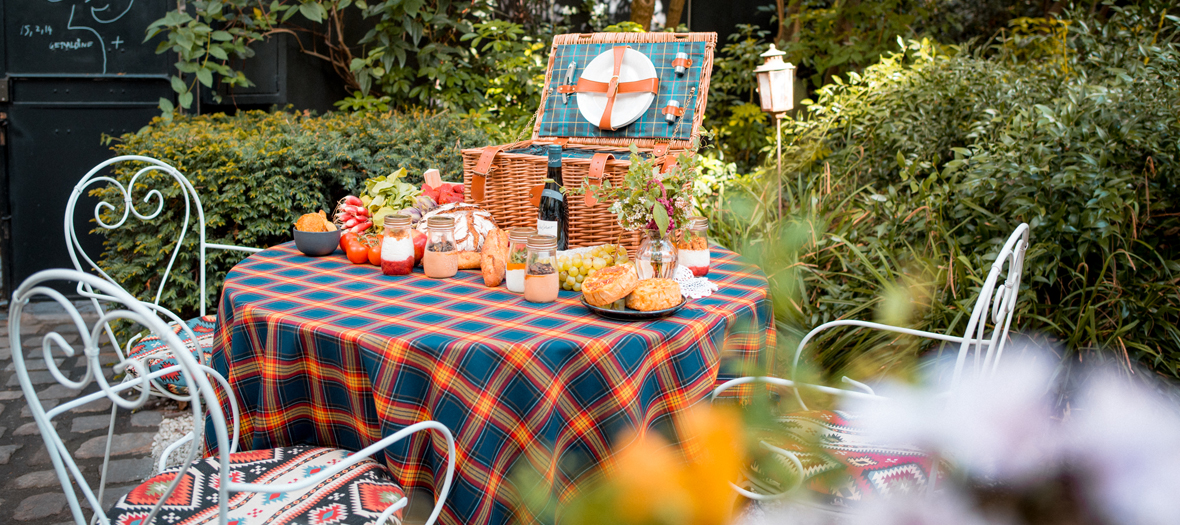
[(628, 106)]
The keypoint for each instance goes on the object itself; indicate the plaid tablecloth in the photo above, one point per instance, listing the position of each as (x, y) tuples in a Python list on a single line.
[(320, 351)]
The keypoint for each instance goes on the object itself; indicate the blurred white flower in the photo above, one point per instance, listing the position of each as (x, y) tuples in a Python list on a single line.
[(995, 426), (1127, 438), (1112, 457)]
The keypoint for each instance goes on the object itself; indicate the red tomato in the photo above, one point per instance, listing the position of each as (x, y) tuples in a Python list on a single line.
[(344, 241), (419, 246), (375, 251), (354, 249)]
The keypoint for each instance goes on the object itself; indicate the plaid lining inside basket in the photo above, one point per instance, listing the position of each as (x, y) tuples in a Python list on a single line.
[(564, 120), (542, 150)]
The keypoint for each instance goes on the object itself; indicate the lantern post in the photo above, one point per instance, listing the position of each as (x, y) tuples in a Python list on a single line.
[(776, 95)]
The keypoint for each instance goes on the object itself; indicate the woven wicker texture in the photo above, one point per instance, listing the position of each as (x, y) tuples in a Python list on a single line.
[(513, 175)]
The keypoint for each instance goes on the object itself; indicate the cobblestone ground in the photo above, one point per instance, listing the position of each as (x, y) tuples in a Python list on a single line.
[(29, 488)]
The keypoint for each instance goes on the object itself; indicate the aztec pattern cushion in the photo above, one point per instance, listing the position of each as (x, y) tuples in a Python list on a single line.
[(155, 355), (357, 495), (840, 465)]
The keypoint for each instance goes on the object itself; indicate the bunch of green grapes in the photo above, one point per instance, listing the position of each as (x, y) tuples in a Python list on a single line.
[(574, 269)]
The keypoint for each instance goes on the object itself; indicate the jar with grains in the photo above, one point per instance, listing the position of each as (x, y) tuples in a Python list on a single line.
[(441, 259), (540, 278), (693, 248), (517, 255), (397, 246)]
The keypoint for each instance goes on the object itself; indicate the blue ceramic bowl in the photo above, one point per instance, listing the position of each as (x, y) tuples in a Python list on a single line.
[(316, 244)]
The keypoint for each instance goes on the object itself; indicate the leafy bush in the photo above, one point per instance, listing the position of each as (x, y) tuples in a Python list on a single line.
[(902, 183), (256, 172), (442, 55)]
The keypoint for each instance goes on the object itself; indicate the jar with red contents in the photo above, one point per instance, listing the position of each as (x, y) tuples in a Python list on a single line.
[(693, 248), (397, 246)]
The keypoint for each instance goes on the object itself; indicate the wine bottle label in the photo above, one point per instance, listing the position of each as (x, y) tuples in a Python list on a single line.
[(552, 194), (547, 228)]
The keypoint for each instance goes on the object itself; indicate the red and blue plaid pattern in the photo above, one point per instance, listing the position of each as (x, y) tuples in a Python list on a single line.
[(564, 120), (328, 353)]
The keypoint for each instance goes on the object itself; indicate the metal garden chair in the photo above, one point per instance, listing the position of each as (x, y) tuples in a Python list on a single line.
[(197, 333), (298, 484), (842, 447)]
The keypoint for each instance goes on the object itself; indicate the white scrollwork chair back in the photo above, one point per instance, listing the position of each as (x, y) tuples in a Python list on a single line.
[(979, 346), (134, 393), (145, 166)]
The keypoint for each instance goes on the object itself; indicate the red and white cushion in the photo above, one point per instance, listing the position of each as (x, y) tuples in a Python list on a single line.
[(357, 495), (841, 464), (155, 355)]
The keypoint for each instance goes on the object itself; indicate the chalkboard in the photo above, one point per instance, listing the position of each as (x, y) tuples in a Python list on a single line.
[(83, 38)]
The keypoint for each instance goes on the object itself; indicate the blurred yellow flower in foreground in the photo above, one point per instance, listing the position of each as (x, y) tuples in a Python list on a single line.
[(654, 483)]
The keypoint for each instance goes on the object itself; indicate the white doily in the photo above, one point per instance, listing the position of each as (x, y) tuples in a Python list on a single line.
[(693, 287)]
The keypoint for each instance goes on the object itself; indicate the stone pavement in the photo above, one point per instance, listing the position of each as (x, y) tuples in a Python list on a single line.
[(29, 488)]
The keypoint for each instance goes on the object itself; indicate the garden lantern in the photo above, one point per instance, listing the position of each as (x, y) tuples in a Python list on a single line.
[(776, 95), (776, 83)]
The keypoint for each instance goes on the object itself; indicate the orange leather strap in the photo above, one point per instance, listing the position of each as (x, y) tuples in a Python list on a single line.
[(647, 85), (668, 163), (597, 170), (561, 141), (479, 176), (674, 110), (682, 62), (612, 89), (535, 194), (660, 152)]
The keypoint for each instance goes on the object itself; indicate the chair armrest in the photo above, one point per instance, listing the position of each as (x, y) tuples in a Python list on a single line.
[(777, 381), (232, 247), (874, 326)]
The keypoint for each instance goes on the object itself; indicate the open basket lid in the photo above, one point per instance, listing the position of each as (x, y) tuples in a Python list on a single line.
[(560, 116)]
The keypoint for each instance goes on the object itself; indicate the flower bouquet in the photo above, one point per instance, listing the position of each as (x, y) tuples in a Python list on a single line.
[(658, 204)]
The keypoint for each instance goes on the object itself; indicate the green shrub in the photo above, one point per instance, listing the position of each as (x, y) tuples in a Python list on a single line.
[(905, 180), (256, 172)]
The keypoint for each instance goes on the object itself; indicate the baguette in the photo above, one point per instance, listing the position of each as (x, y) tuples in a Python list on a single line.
[(494, 260)]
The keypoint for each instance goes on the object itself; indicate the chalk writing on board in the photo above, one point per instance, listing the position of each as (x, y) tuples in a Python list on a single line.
[(30, 30), (66, 45), (79, 21)]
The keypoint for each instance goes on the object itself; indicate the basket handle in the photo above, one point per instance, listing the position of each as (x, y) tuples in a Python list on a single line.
[(597, 171), (482, 168)]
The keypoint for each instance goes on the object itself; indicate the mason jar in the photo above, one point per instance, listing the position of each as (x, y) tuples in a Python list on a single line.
[(693, 248), (397, 246), (540, 277), (518, 252), (441, 258)]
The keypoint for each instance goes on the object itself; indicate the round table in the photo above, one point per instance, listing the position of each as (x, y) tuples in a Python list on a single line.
[(320, 351)]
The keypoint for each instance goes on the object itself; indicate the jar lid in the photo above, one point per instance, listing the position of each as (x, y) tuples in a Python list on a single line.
[(439, 221), (698, 223), (397, 220), (542, 242), (520, 234)]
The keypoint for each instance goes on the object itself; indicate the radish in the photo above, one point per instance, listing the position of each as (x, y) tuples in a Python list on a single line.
[(352, 222), (362, 226), (353, 200)]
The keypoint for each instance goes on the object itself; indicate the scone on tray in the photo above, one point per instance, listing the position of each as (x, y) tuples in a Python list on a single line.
[(654, 294), (609, 284)]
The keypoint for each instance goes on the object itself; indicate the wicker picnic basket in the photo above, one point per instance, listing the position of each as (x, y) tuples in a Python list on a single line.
[(500, 178)]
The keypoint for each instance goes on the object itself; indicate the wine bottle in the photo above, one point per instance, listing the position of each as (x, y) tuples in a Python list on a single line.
[(553, 213)]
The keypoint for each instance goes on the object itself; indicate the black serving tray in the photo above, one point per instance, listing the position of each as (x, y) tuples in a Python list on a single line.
[(633, 315)]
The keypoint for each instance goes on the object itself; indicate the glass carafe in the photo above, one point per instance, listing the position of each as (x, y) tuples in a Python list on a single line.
[(656, 257)]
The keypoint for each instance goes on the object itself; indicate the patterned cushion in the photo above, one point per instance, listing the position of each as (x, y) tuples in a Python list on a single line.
[(155, 354), (357, 495), (840, 464)]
